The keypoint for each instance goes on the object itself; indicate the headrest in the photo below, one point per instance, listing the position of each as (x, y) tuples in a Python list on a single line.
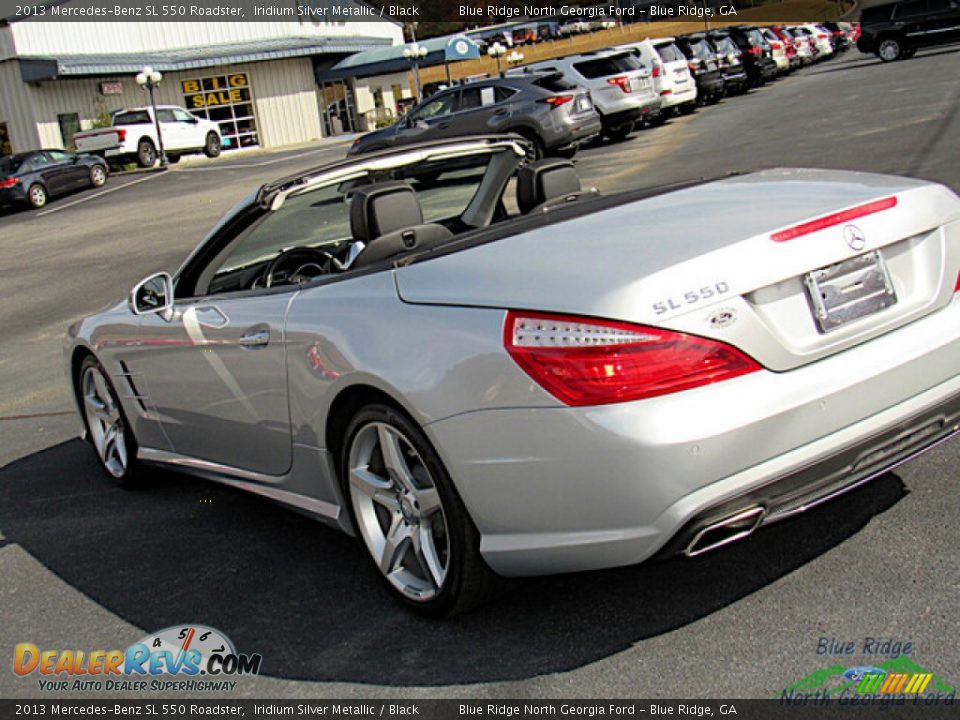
[(379, 209), (545, 180)]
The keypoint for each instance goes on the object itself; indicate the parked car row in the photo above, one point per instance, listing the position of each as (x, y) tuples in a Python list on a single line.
[(34, 177), (560, 104)]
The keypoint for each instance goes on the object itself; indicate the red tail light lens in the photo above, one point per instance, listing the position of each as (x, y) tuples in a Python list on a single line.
[(583, 361), (834, 219), (558, 100), (957, 287), (122, 134), (621, 81), (755, 50), (656, 71), (8, 183)]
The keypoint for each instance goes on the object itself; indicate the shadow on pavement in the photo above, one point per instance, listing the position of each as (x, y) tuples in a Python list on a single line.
[(866, 61), (180, 550)]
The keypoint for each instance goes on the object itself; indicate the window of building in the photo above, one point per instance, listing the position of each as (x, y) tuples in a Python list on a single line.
[(69, 126), (226, 100), (5, 148)]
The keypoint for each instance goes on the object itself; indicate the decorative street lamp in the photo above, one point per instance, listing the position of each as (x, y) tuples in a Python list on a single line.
[(148, 78), (497, 51), (415, 53), (515, 58)]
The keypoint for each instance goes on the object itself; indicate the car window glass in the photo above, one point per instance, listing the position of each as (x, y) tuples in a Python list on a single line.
[(183, 116), (164, 115), (701, 50), (554, 83), (501, 93), (447, 195), (938, 5), (605, 66), (59, 155), (39, 160), (910, 9), (132, 117), (439, 105), (314, 219), (470, 98), (670, 53)]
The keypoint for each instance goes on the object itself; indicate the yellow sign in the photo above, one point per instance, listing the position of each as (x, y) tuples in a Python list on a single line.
[(216, 91)]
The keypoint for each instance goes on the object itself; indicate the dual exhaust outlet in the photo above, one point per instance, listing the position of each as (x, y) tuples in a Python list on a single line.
[(725, 531)]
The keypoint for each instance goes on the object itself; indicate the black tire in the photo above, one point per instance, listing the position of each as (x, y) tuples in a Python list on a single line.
[(146, 154), (98, 175), (619, 133), (131, 470), (212, 146), (467, 581), (173, 159), (535, 150), (37, 196), (688, 108), (890, 48)]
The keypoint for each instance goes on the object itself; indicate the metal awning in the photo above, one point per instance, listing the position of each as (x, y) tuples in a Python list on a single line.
[(37, 69), (386, 60)]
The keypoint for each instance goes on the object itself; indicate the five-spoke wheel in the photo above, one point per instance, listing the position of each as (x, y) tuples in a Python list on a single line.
[(106, 424)]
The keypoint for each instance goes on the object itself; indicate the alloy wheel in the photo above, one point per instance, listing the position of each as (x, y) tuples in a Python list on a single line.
[(105, 422), (399, 511), (97, 176), (38, 196), (889, 50)]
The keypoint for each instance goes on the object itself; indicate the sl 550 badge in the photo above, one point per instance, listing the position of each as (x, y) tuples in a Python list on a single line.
[(691, 297)]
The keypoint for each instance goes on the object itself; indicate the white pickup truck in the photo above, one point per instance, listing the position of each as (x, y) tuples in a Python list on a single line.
[(133, 136)]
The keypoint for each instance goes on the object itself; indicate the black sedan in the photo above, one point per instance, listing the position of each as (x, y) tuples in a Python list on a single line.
[(33, 177)]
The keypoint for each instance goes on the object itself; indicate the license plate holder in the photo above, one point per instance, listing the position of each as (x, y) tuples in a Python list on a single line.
[(583, 104), (849, 290)]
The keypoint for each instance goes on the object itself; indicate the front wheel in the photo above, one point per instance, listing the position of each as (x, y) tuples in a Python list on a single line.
[(98, 176), (107, 427), (409, 516), (889, 49), (212, 147)]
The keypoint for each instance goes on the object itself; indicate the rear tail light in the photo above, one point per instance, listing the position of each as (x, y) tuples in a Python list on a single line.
[(834, 219), (122, 134), (8, 183), (775, 46), (621, 81), (583, 361), (755, 51), (558, 100), (656, 71), (693, 67), (956, 288), (666, 92)]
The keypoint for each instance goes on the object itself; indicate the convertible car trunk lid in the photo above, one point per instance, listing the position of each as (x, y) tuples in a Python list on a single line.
[(743, 259)]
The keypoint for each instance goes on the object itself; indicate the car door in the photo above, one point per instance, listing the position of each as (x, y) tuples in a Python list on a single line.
[(911, 19), (431, 119), (73, 173), (174, 137), (193, 134), (943, 21), (477, 110)]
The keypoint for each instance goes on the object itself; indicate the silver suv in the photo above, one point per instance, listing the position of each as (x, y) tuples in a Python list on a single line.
[(555, 115), (619, 84)]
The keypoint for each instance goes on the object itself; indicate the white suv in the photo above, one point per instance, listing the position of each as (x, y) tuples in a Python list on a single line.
[(669, 69), (620, 86)]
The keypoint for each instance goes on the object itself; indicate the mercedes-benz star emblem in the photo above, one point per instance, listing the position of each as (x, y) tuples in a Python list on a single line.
[(855, 238)]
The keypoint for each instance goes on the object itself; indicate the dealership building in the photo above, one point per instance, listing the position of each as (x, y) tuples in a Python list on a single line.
[(265, 83)]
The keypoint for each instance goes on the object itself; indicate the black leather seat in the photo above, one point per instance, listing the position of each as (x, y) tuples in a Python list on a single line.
[(546, 183), (387, 218)]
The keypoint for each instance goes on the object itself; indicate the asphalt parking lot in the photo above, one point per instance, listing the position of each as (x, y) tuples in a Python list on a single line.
[(86, 565)]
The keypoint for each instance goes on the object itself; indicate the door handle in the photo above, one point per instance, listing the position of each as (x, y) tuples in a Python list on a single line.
[(443, 125), (502, 111), (253, 339)]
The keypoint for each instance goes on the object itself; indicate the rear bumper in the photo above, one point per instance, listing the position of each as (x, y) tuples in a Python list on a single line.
[(14, 195), (565, 489), (679, 96)]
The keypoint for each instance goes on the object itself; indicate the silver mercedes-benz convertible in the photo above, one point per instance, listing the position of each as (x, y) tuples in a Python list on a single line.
[(483, 369)]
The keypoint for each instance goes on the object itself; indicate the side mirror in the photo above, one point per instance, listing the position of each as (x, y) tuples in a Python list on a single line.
[(152, 295)]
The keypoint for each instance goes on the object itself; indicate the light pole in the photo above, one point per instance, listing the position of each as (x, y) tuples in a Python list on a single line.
[(497, 51), (149, 78), (415, 53), (515, 58)]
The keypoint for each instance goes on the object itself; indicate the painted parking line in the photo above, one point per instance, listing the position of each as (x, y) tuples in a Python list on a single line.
[(84, 199), (258, 164)]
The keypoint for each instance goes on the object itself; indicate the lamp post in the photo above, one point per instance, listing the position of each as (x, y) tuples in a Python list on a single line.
[(497, 51), (515, 58), (415, 53), (148, 78)]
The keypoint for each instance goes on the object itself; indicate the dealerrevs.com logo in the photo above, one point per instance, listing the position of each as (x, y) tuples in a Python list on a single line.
[(188, 658)]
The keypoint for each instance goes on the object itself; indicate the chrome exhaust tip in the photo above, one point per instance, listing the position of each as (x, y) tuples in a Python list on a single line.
[(723, 532)]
